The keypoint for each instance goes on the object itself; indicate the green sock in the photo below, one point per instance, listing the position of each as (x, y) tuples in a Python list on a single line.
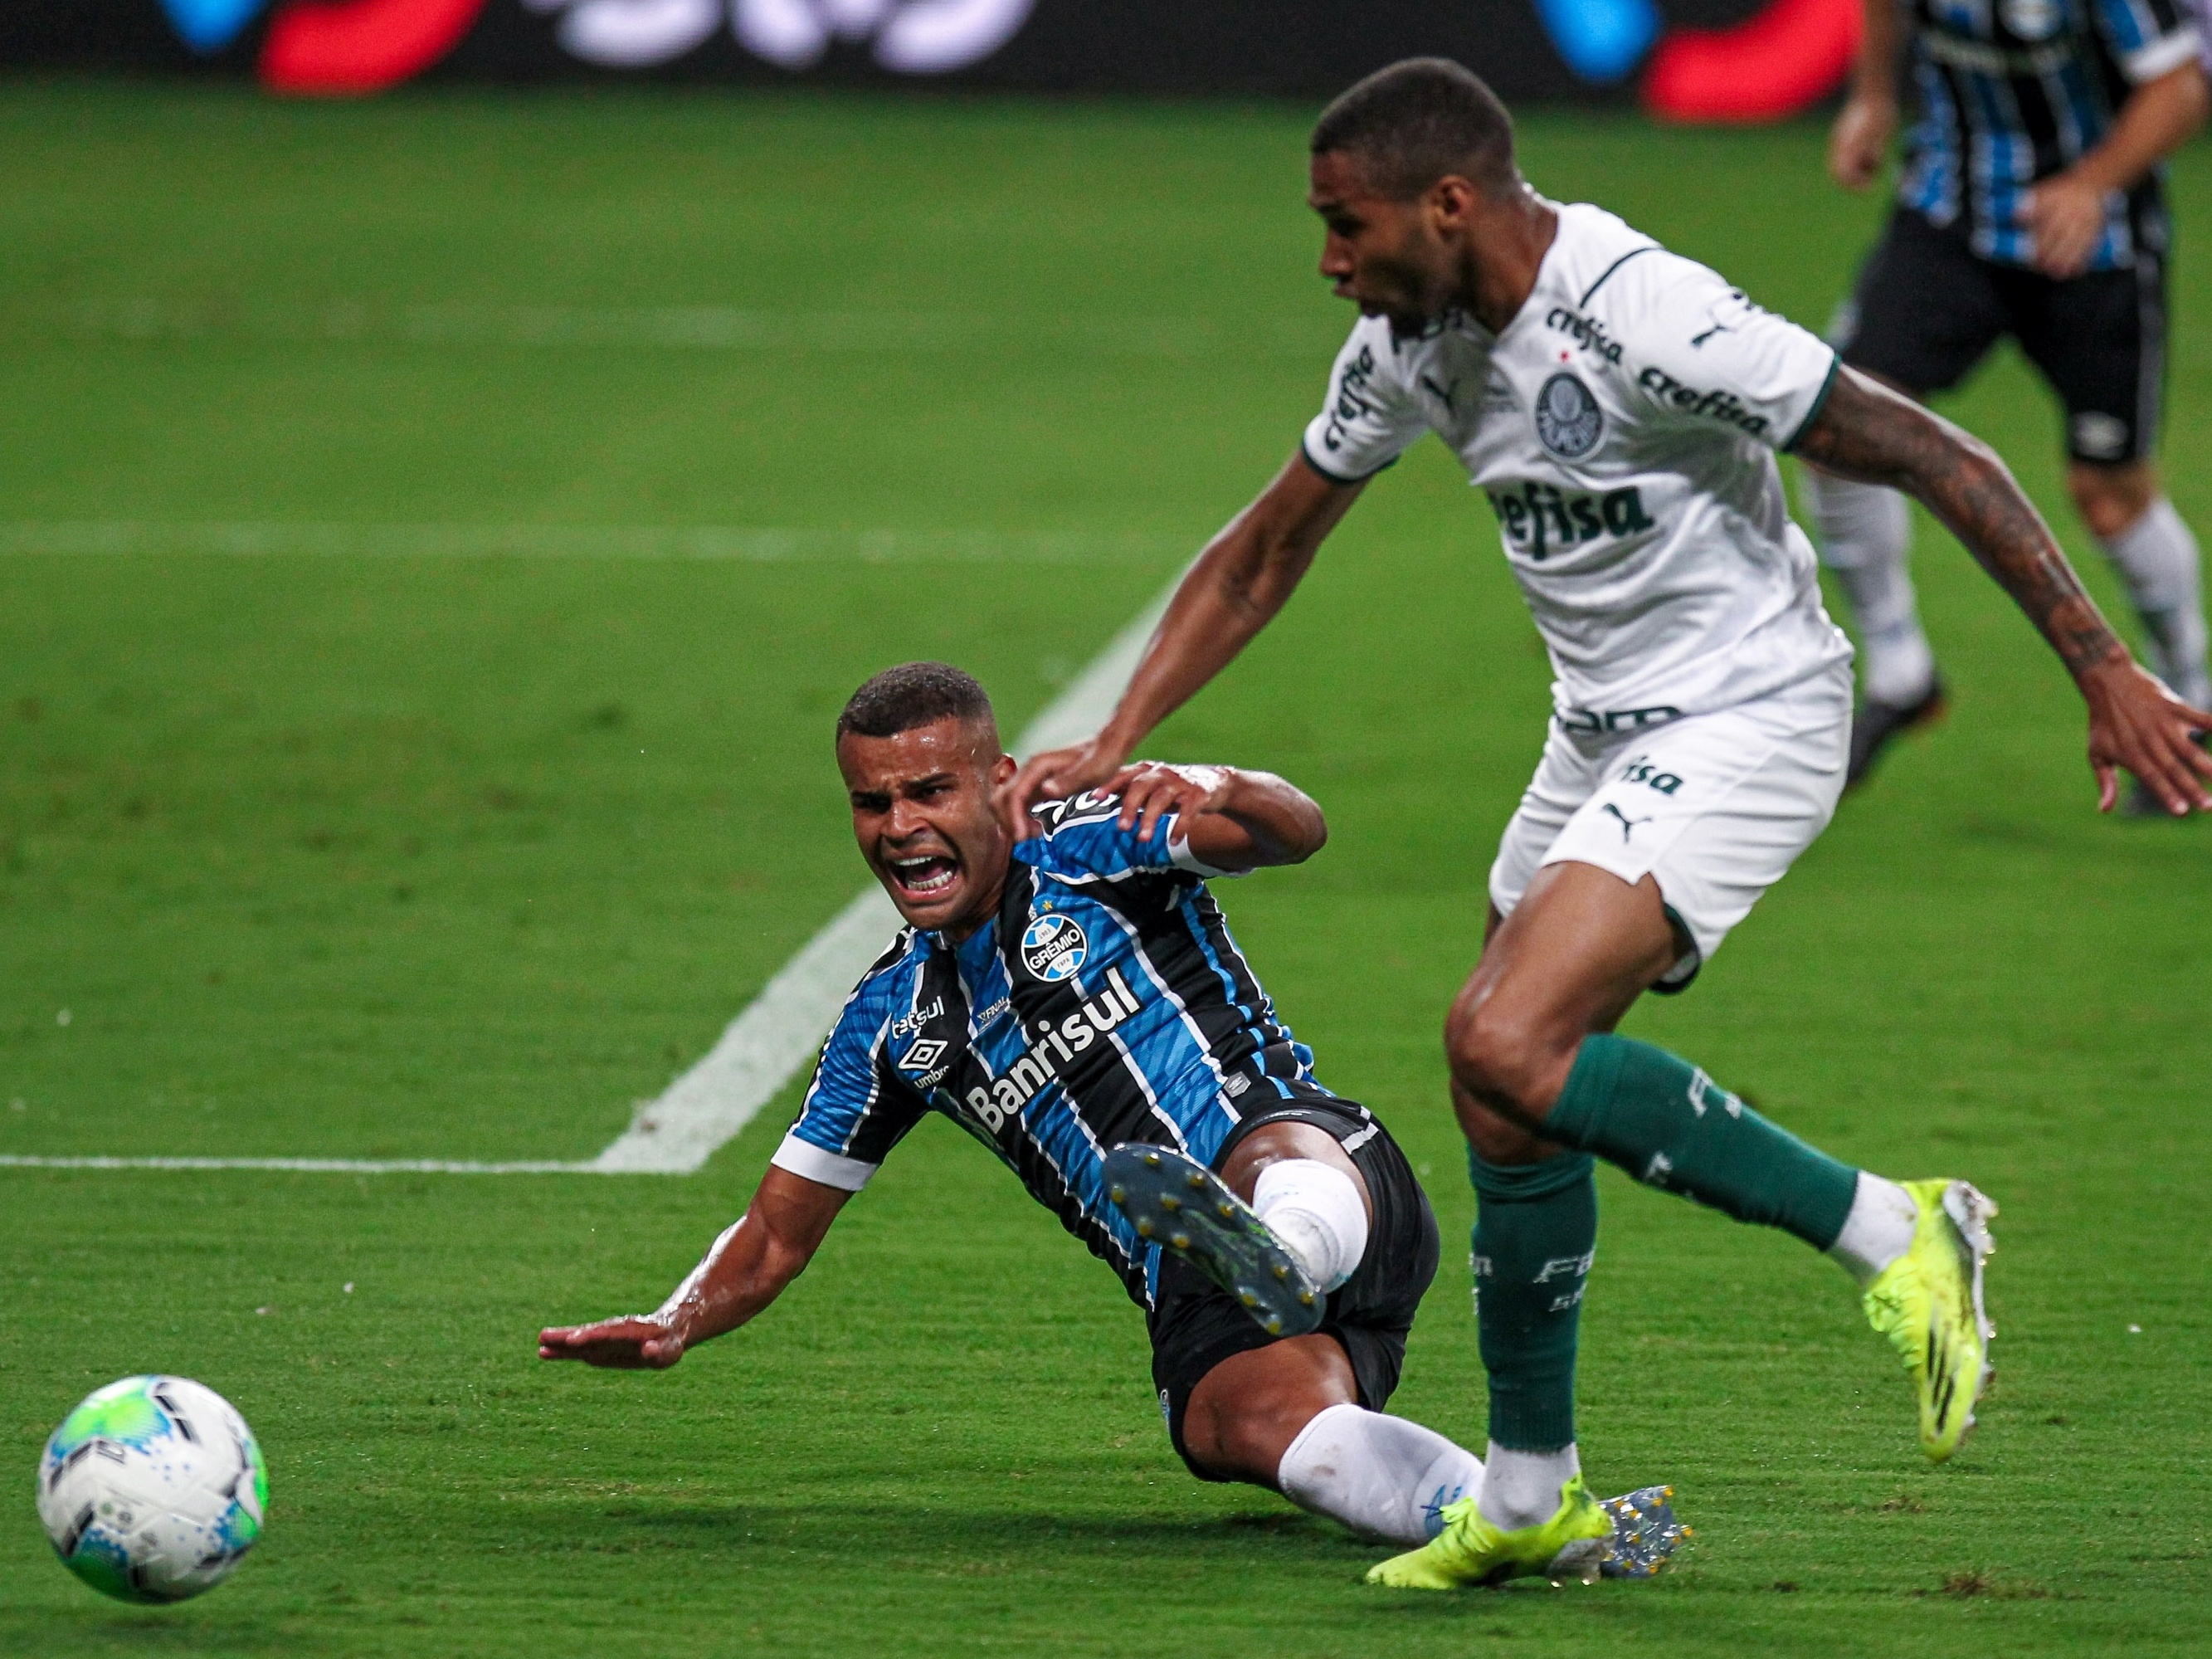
[(1670, 1126), (1535, 1231)]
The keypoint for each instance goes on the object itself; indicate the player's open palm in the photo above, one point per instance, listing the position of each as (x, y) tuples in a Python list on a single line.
[(632, 1343), (2137, 723)]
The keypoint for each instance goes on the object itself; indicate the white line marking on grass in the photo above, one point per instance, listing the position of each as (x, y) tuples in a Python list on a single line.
[(778, 1032), (766, 1045), (310, 1165), (725, 544)]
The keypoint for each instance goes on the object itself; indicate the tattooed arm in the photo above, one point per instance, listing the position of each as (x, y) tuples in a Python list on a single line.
[(1866, 431)]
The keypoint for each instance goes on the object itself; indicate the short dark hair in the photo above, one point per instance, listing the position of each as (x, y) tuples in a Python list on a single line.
[(914, 694), (1414, 123)]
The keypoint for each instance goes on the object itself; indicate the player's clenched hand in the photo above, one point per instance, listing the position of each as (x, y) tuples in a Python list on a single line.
[(1055, 775), (632, 1343), (2066, 217), (1859, 141), (2136, 722), (1150, 790)]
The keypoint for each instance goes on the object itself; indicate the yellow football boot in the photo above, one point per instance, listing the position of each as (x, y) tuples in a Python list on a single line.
[(1929, 1303), (1574, 1543)]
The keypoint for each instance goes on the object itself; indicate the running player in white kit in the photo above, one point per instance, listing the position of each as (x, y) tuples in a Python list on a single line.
[(1621, 406)]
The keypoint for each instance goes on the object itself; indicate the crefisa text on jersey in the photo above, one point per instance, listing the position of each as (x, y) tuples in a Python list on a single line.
[(1721, 405), (1586, 332), (1541, 519)]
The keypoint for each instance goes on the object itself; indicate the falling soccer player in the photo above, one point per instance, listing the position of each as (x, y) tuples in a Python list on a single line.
[(1075, 1003), (1621, 406)]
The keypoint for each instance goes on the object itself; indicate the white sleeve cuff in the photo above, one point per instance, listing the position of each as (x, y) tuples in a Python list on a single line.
[(2162, 56), (1180, 854), (803, 1158)]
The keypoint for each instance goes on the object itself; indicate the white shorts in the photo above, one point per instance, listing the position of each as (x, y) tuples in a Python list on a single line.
[(1714, 807)]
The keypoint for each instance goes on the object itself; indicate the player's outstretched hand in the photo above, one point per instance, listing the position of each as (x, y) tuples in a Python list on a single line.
[(2137, 723), (1859, 141), (1150, 790), (631, 1344), (2066, 217), (1055, 775)]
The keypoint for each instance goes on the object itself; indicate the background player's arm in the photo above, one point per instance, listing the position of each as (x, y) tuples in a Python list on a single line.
[(1859, 141), (1231, 819), (1244, 576), (2067, 211), (747, 1268), (1865, 431)]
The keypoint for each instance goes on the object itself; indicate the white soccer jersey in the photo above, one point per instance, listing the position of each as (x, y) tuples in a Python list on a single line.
[(1623, 426)]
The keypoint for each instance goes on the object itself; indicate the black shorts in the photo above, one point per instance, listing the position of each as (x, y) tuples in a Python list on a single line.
[(1195, 1324), (1928, 309)]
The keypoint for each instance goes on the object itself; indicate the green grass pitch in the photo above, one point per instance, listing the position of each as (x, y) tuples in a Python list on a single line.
[(386, 843)]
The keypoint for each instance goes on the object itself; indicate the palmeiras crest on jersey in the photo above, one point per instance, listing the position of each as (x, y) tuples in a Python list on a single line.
[(1568, 419), (1052, 948)]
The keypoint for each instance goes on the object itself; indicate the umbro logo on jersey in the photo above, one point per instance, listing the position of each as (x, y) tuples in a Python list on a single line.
[(1720, 405), (923, 1055), (1053, 947), (1568, 420), (1588, 332)]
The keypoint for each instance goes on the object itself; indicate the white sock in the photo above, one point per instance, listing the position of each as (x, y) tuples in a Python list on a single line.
[(1382, 1476), (1522, 1488), (1317, 1213), (1865, 530), (2156, 557), (1879, 1228)]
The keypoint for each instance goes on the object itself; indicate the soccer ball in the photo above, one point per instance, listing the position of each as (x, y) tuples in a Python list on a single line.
[(153, 1489)]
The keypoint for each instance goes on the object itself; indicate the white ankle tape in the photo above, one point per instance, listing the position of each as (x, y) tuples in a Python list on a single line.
[(1316, 1212)]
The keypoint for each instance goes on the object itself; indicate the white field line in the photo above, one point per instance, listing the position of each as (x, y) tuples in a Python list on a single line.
[(725, 544), (766, 1045), (309, 1165)]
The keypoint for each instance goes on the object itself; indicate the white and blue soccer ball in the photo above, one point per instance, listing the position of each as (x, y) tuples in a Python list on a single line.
[(153, 1489)]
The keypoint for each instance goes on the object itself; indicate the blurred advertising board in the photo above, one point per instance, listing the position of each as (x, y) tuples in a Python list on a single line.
[(1686, 59)]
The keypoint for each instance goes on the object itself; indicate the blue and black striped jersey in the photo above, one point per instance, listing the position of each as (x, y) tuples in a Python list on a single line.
[(1106, 1003), (2013, 91)]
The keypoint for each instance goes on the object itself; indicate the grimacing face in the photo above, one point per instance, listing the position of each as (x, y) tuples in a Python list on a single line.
[(1384, 256), (923, 814)]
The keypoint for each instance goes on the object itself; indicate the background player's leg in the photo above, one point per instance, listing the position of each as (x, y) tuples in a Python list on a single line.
[(2151, 546), (1865, 535)]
